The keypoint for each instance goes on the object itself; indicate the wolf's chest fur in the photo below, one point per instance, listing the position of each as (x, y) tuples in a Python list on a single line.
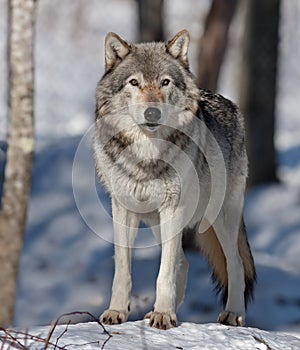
[(144, 171)]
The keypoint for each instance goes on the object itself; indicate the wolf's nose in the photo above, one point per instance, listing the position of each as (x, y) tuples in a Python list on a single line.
[(152, 114)]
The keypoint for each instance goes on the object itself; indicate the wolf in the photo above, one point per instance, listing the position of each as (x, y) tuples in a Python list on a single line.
[(173, 156)]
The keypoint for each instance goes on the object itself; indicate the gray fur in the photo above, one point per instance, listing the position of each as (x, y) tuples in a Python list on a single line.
[(138, 164)]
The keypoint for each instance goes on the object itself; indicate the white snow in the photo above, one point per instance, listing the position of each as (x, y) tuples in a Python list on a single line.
[(138, 335), (65, 266)]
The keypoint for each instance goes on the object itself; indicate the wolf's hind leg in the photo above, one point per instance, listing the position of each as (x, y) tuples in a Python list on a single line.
[(227, 229), (240, 269), (231, 318), (211, 248)]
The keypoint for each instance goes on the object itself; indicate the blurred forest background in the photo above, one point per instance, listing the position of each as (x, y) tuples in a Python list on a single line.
[(247, 50)]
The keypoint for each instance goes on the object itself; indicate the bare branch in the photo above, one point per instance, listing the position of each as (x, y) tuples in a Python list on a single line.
[(47, 341)]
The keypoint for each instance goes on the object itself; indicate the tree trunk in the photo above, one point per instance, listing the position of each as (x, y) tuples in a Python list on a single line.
[(150, 20), (213, 43), (20, 149), (258, 87)]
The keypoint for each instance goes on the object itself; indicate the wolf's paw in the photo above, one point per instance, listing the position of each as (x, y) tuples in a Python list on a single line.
[(114, 316), (231, 319), (162, 320)]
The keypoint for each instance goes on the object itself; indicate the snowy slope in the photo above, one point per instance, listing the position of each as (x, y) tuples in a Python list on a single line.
[(138, 335)]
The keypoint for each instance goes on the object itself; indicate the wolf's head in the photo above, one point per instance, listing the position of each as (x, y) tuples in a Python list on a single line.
[(144, 84)]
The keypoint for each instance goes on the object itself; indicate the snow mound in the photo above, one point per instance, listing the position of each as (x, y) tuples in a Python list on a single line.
[(138, 335)]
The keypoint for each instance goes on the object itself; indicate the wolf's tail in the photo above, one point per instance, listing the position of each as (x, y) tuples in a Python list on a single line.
[(211, 248)]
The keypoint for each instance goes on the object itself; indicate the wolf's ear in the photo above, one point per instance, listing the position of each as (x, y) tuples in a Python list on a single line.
[(178, 47), (115, 50)]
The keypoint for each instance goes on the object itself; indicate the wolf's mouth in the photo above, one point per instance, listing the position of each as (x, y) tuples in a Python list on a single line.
[(150, 125)]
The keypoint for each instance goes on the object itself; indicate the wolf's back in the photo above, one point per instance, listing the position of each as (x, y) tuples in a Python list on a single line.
[(225, 121)]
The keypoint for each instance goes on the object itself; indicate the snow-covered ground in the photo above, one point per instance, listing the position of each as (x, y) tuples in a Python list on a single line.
[(64, 265), (138, 335)]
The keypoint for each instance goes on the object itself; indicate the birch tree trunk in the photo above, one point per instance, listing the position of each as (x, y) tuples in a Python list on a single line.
[(213, 43), (20, 149)]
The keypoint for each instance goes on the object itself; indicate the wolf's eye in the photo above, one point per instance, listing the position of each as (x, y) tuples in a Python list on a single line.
[(165, 82), (134, 82)]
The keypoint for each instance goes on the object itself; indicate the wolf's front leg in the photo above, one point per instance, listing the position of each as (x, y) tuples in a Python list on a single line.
[(125, 229), (164, 314)]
